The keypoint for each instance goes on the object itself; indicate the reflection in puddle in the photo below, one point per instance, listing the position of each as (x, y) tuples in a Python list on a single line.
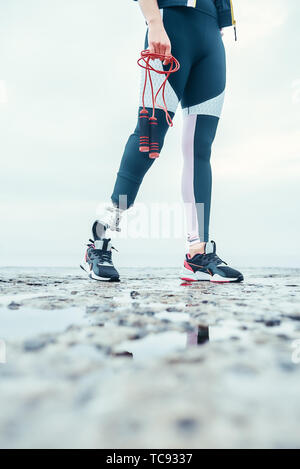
[(198, 337), (161, 344), (154, 345), (164, 343)]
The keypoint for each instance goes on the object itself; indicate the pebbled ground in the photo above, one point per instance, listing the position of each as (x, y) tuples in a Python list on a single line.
[(148, 362)]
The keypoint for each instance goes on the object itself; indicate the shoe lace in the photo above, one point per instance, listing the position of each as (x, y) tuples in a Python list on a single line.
[(100, 253), (103, 255)]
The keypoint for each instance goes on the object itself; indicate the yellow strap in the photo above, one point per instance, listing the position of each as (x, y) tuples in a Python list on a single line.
[(232, 13)]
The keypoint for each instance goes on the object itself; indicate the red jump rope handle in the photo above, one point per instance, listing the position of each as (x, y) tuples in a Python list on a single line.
[(154, 142), (149, 135), (144, 131)]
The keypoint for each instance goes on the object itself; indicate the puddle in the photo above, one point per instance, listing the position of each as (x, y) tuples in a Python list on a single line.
[(89, 352), (5, 300), (154, 345), (164, 343), (28, 322)]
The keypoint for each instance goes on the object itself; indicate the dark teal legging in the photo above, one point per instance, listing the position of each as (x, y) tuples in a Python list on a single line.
[(199, 86)]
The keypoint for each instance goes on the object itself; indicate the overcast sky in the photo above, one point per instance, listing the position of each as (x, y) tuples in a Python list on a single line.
[(69, 88)]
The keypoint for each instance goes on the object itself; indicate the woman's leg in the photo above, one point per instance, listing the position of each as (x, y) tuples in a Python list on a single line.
[(198, 135), (202, 104), (134, 164)]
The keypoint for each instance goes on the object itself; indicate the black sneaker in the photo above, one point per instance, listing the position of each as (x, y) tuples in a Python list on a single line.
[(97, 261), (209, 267)]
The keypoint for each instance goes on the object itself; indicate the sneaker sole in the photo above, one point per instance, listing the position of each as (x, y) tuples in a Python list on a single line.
[(93, 276), (189, 276)]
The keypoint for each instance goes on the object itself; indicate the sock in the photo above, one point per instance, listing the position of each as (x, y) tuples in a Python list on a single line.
[(197, 248)]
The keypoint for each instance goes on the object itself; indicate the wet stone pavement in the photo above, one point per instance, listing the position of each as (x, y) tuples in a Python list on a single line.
[(149, 362)]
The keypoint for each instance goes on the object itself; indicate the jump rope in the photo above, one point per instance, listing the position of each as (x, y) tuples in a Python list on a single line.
[(149, 135)]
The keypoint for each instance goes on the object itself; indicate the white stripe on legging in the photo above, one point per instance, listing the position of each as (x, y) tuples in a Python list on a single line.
[(211, 107), (187, 185)]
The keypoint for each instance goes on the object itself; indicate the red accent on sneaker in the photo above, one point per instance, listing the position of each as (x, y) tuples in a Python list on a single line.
[(188, 279), (187, 266)]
